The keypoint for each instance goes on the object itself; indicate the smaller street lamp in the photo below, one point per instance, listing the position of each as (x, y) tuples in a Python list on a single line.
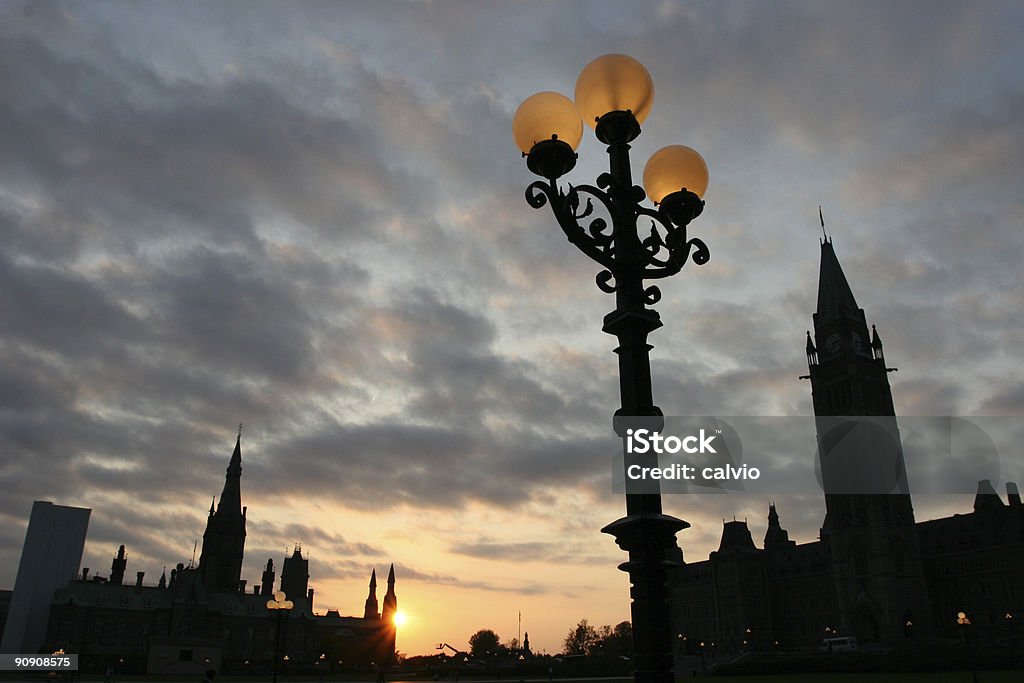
[(964, 622), (279, 606)]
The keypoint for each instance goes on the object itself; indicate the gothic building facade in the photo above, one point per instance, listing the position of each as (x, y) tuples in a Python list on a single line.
[(204, 616), (875, 573)]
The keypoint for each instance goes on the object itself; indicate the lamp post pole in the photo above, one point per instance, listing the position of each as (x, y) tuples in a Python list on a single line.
[(616, 92), (279, 606), (964, 622)]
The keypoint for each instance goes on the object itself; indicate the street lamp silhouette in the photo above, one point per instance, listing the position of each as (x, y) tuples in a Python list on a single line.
[(279, 607), (964, 622), (614, 94)]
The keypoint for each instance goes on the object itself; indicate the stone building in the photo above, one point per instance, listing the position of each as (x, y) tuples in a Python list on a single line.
[(875, 573), (204, 616)]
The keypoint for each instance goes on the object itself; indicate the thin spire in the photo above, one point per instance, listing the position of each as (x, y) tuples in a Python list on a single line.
[(231, 496), (821, 216), (835, 298)]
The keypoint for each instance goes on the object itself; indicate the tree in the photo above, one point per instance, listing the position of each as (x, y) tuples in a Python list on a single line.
[(581, 639), (618, 641), (483, 643)]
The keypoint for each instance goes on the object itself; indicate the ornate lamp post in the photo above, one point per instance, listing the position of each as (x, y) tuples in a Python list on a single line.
[(279, 607), (614, 94)]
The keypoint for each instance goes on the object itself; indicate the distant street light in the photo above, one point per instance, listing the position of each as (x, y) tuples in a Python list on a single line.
[(964, 622), (279, 607), (614, 94)]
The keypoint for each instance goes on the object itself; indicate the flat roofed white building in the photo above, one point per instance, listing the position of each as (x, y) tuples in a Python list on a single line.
[(50, 557)]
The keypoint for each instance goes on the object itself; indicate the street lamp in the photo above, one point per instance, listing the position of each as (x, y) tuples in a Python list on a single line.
[(964, 622), (279, 607), (614, 94)]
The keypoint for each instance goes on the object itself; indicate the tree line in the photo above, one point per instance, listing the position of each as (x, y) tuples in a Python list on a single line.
[(582, 640)]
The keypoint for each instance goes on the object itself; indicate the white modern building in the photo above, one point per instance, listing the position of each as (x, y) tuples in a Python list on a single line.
[(50, 557)]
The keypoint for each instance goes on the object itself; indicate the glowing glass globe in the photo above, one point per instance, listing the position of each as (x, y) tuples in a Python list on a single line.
[(543, 115), (672, 169), (614, 83)]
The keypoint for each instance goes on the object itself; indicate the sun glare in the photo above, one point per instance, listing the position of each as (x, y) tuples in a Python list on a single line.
[(398, 619)]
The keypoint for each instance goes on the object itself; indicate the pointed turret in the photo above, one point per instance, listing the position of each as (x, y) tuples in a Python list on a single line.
[(835, 298), (163, 580), (370, 609), (390, 599), (231, 497), (876, 345), (220, 563), (812, 352), (776, 538)]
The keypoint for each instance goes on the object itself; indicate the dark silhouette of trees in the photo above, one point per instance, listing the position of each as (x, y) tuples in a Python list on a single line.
[(616, 642), (484, 642), (581, 639), (605, 641)]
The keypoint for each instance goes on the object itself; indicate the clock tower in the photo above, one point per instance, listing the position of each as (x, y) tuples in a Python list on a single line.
[(869, 520)]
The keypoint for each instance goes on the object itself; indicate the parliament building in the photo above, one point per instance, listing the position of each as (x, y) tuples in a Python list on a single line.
[(205, 617), (875, 574)]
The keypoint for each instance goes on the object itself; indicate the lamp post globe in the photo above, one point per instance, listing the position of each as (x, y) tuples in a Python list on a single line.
[(614, 95), (547, 129)]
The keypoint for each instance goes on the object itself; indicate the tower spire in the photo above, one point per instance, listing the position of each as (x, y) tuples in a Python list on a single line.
[(231, 496), (387, 613), (370, 610), (835, 298), (220, 563), (390, 599)]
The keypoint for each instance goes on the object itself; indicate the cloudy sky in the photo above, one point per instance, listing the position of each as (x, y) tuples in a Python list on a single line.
[(310, 218)]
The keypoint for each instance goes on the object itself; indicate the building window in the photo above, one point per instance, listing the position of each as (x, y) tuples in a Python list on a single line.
[(184, 655)]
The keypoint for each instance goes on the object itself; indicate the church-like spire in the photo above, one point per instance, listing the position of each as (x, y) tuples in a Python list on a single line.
[(390, 599), (370, 610), (231, 497), (835, 298), (220, 562)]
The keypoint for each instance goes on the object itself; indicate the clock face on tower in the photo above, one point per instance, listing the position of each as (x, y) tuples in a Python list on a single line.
[(833, 344), (859, 344)]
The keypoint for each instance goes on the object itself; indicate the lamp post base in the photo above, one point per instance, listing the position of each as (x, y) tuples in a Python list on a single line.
[(649, 538)]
